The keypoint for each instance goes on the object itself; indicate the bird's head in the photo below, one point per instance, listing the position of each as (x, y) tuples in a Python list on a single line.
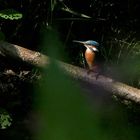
[(92, 45)]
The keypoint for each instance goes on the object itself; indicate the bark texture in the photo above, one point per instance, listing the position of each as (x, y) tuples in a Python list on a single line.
[(40, 60)]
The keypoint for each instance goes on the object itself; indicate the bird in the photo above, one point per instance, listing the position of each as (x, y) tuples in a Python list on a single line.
[(92, 47)]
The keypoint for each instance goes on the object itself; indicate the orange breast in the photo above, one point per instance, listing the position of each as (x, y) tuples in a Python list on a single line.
[(90, 56)]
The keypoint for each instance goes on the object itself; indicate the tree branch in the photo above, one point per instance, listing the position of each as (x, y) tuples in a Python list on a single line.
[(40, 60)]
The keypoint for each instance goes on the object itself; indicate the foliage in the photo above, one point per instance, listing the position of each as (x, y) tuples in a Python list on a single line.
[(5, 119), (10, 14), (122, 53)]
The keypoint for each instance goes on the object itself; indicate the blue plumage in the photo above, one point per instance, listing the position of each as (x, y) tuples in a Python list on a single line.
[(89, 42)]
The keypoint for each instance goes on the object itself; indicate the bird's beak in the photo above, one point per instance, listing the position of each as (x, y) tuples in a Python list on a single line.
[(81, 42)]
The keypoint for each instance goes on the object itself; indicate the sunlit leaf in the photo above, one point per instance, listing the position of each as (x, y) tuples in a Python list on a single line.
[(10, 14), (5, 119)]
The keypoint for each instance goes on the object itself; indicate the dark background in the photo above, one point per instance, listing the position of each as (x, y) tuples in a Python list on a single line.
[(107, 17), (115, 24)]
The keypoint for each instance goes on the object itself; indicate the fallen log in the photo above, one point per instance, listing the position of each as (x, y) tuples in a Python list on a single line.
[(41, 60)]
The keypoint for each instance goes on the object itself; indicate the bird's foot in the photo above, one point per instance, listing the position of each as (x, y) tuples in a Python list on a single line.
[(89, 71), (93, 73)]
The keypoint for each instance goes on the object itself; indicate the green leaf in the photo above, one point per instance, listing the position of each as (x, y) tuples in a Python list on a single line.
[(5, 119), (10, 14)]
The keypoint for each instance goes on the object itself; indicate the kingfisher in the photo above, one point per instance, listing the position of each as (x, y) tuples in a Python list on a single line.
[(91, 50)]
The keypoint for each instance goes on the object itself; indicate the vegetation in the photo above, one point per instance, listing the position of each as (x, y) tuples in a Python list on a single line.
[(57, 102)]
